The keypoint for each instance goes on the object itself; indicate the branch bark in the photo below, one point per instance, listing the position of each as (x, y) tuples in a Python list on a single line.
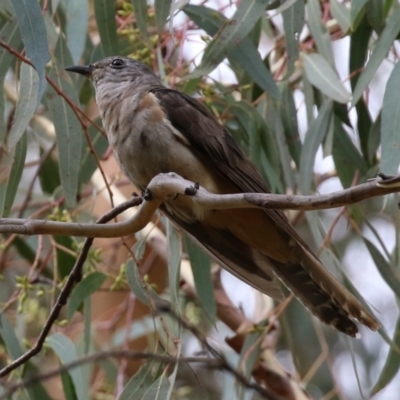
[(165, 187)]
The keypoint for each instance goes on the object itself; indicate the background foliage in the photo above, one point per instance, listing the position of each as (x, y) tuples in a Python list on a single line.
[(310, 91)]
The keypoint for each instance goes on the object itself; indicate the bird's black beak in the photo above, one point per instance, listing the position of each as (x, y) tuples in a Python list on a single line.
[(85, 70)]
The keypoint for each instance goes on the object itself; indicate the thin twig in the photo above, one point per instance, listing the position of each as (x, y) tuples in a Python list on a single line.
[(73, 278)]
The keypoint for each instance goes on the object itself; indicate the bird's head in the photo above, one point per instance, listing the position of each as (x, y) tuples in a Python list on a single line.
[(115, 70)]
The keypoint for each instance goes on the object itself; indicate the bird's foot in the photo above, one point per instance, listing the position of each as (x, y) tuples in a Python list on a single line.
[(192, 190), (147, 195)]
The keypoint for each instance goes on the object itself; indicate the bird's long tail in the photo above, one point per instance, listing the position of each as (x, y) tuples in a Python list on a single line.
[(322, 294)]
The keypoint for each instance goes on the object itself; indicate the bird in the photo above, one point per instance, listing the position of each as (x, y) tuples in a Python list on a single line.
[(153, 129)]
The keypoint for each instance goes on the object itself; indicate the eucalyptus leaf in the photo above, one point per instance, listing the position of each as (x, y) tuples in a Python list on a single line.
[(85, 288), (244, 53), (26, 106), (68, 129), (390, 127), (104, 11), (33, 31), (66, 352), (314, 137), (324, 77), (382, 46), (232, 33), (14, 178)]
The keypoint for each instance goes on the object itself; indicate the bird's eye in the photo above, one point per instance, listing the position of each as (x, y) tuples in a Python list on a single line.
[(117, 63)]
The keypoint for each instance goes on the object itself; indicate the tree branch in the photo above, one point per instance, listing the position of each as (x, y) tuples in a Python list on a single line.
[(165, 187), (73, 277)]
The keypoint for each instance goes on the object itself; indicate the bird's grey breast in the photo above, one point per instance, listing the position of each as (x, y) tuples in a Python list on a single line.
[(145, 143)]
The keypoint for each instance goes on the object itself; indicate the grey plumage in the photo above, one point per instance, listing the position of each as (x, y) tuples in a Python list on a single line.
[(153, 129)]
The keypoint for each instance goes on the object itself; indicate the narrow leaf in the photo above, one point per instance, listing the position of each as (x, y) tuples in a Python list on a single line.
[(388, 273), (68, 129), (319, 32), (26, 106), (10, 35), (137, 287), (158, 390), (76, 15), (231, 34), (323, 77), (138, 384), (347, 158), (15, 176), (390, 158), (342, 14), (314, 137), (85, 288), (381, 49), (356, 12), (201, 268), (140, 11), (244, 53), (10, 338), (162, 9), (33, 31), (174, 263), (289, 120), (293, 22), (66, 352), (104, 11), (392, 363)]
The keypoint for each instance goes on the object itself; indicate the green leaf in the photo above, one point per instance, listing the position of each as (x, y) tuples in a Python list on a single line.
[(293, 22), (26, 105), (289, 120), (65, 260), (374, 139), (201, 268), (244, 53), (231, 34), (162, 9), (137, 287), (9, 34), (140, 11), (76, 15), (68, 129), (66, 352), (324, 77), (382, 46), (356, 12), (276, 126), (15, 176), (138, 384), (89, 164), (104, 11), (390, 133), (10, 338), (313, 139), (319, 32), (388, 273), (174, 263), (158, 390), (375, 14), (347, 158), (49, 181), (250, 353), (392, 363), (33, 31), (85, 288), (341, 13)]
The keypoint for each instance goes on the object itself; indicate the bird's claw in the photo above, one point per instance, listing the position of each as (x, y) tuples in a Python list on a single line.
[(147, 195), (192, 190)]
